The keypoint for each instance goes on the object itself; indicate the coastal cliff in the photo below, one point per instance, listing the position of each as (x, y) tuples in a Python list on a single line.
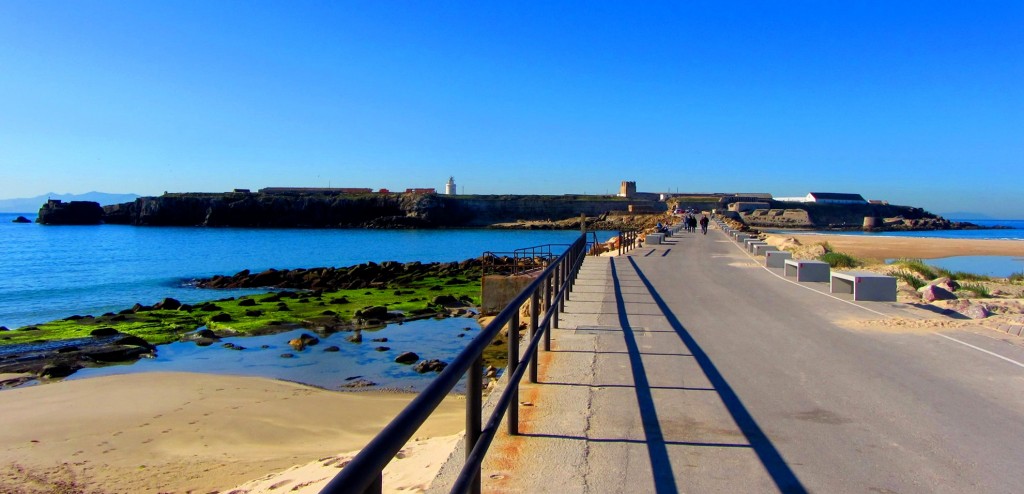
[(243, 209), (56, 212)]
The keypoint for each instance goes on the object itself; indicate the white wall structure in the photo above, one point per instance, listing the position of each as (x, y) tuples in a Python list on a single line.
[(449, 188)]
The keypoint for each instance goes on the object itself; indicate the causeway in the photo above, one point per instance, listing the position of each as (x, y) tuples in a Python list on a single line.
[(689, 367)]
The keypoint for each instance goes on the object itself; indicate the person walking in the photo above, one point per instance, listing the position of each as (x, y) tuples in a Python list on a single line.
[(704, 224)]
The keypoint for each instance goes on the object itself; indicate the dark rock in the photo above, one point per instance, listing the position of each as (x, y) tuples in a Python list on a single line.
[(249, 302), (374, 312), (29, 328), (287, 355), (382, 348), (407, 358), (222, 317), (132, 340), (339, 301), (356, 337), (253, 313), (119, 317), (4, 328), (21, 219), (73, 318), (103, 332), (58, 370), (167, 304), (329, 313), (445, 300), (381, 340), (359, 383), (55, 212), (115, 352), (432, 365), (209, 307), (303, 341), (332, 348), (205, 341)]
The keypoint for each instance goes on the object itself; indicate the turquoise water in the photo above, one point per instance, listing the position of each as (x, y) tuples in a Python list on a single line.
[(51, 272)]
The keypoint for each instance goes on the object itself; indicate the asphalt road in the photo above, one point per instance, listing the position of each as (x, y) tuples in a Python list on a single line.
[(686, 367)]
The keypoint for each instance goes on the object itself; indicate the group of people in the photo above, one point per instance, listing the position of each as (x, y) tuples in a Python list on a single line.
[(690, 223)]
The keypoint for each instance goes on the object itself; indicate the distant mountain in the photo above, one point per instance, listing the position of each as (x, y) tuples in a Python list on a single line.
[(32, 204), (966, 215)]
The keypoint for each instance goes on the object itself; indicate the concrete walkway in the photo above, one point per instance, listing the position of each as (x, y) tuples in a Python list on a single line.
[(686, 367)]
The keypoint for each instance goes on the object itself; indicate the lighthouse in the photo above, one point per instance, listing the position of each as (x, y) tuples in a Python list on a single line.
[(449, 188)]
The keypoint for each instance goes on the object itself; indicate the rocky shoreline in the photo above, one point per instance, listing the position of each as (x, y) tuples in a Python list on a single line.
[(320, 300)]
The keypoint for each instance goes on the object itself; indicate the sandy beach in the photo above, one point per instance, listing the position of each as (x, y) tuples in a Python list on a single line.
[(191, 433), (876, 247)]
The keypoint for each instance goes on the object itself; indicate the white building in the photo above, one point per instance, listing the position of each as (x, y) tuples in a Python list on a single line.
[(449, 188), (826, 198)]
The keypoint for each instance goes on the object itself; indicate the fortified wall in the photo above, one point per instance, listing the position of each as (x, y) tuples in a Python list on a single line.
[(358, 210)]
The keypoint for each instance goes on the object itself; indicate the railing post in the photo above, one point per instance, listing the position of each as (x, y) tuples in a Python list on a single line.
[(561, 281), (534, 310), (547, 307), (513, 364), (377, 487), (555, 296), (474, 411)]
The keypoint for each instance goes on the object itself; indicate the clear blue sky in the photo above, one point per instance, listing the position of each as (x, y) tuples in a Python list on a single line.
[(918, 103)]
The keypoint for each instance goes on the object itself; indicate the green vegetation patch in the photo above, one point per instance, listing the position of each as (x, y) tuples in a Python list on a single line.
[(979, 290), (269, 312), (839, 260), (909, 277), (918, 266)]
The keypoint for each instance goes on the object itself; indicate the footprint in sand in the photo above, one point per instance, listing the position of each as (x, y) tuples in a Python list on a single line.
[(147, 441)]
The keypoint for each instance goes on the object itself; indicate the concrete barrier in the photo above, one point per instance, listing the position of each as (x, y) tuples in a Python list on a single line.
[(760, 250), (776, 258), (864, 285), (805, 270)]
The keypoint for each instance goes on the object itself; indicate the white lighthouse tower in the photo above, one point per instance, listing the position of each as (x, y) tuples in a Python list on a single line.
[(449, 188)]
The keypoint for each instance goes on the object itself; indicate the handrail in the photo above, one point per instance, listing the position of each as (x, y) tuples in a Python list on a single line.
[(466, 481), (628, 239), (363, 473)]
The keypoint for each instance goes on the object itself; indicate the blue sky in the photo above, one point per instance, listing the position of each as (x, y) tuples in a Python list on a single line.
[(918, 103)]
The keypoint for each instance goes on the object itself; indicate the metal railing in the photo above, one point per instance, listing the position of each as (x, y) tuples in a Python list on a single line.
[(520, 261), (547, 293), (628, 239)]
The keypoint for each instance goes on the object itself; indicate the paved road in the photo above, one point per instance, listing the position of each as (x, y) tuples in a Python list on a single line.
[(686, 367)]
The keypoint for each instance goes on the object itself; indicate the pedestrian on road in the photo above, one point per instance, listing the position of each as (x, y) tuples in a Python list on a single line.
[(704, 224)]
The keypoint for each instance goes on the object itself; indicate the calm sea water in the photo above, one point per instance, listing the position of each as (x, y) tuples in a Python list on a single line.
[(51, 272)]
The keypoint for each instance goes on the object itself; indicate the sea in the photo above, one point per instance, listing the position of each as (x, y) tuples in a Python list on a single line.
[(50, 272)]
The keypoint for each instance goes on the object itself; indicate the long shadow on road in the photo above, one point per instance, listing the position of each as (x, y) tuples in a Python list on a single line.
[(784, 477), (661, 467)]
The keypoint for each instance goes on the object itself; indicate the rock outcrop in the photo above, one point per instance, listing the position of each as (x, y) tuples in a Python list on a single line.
[(55, 212), (357, 210)]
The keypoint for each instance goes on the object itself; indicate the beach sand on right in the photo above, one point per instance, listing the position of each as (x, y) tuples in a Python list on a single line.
[(878, 247)]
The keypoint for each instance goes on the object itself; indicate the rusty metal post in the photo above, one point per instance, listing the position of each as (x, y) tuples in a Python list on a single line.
[(474, 411), (534, 312), (513, 364)]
